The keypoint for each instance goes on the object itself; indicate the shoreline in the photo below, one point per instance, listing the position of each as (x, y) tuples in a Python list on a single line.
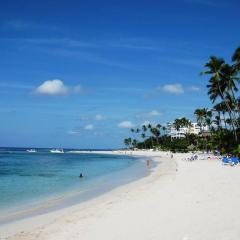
[(75, 195), (36, 221), (178, 200)]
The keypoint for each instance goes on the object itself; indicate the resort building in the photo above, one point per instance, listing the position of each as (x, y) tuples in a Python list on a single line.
[(181, 133)]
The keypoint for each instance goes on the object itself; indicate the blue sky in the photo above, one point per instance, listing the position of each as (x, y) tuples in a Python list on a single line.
[(81, 73)]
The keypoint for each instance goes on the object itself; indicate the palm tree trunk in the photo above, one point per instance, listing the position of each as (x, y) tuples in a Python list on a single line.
[(152, 141), (238, 111), (230, 113)]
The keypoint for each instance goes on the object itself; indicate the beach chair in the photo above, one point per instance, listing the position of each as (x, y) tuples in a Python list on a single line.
[(226, 161), (234, 161)]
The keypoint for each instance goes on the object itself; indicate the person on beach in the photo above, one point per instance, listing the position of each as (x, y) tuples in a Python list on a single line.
[(148, 163), (81, 175)]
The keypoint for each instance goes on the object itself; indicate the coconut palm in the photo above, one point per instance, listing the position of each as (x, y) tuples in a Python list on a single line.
[(155, 131), (143, 135), (220, 108), (134, 143), (149, 126), (177, 123), (217, 121), (200, 116), (231, 79), (164, 130), (128, 141), (220, 83), (185, 122), (144, 128)]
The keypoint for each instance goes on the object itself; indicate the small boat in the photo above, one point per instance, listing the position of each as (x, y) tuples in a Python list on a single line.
[(56, 151), (31, 150)]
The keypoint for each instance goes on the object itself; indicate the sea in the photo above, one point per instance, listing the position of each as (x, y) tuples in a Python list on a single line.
[(38, 182)]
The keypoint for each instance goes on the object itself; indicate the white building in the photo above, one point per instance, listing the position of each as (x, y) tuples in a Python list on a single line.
[(181, 133)]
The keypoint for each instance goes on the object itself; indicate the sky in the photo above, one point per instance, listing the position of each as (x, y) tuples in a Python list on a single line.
[(80, 74)]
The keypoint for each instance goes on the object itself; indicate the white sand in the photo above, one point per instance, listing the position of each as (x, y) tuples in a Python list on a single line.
[(180, 200)]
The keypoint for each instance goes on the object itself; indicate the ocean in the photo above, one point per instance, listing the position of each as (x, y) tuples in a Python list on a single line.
[(30, 180)]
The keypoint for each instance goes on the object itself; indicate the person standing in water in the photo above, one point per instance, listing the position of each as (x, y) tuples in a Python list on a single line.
[(81, 175), (148, 163)]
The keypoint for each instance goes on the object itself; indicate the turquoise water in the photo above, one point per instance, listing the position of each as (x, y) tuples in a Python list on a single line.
[(29, 177)]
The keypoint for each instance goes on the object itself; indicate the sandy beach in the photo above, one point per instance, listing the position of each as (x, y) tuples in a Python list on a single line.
[(182, 200)]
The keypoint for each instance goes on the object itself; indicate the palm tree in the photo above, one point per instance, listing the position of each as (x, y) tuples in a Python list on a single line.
[(134, 143), (149, 126), (220, 108), (214, 68), (134, 131), (182, 122), (177, 123), (127, 141), (216, 84), (200, 116), (217, 121), (143, 135), (185, 122), (208, 118), (164, 130), (144, 128), (155, 131), (230, 78), (219, 83)]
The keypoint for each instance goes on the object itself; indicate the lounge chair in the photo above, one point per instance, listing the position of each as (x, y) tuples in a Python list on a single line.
[(234, 161), (226, 161)]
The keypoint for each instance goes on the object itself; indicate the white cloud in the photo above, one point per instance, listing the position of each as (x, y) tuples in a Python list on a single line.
[(125, 124), (56, 87), (173, 88), (100, 117), (89, 127), (194, 89), (154, 113), (52, 87)]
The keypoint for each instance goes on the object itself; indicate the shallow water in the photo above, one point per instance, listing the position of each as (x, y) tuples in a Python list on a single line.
[(29, 178)]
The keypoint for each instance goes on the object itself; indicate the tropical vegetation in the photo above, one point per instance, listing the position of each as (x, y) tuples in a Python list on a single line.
[(219, 125)]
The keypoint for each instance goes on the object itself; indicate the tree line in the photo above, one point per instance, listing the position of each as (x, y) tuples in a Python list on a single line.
[(219, 125)]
